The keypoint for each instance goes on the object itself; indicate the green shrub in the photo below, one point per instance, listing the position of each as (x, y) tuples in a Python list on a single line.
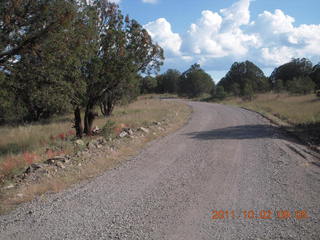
[(301, 85), (279, 86), (108, 129), (247, 92), (220, 94)]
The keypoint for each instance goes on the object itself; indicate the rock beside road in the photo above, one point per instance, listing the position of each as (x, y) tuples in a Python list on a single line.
[(144, 130), (52, 166)]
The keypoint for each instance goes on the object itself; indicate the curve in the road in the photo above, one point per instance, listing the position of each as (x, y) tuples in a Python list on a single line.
[(225, 158)]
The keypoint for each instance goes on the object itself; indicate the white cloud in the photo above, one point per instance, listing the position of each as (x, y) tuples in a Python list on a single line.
[(160, 30), (217, 39), (276, 23), (150, 1), (238, 14), (277, 55), (216, 35), (283, 41)]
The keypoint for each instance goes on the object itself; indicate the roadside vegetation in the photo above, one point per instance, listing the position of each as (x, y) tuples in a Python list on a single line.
[(123, 134), (299, 115), (63, 63), (61, 56), (72, 71), (290, 95)]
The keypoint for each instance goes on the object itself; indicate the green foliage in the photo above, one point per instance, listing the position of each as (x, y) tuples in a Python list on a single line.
[(194, 82), (242, 74), (61, 55), (220, 94), (11, 110), (168, 81), (235, 89), (247, 92), (148, 84), (279, 86), (301, 85), (126, 50), (315, 75), (47, 79), (293, 69), (25, 24), (108, 129), (131, 91)]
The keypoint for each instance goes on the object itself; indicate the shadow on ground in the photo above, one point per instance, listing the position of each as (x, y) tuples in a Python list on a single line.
[(240, 132), (310, 132)]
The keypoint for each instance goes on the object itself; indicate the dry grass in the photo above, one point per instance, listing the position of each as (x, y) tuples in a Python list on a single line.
[(143, 112), (298, 114), (292, 109)]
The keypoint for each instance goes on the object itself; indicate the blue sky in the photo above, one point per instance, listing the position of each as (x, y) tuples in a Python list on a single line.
[(216, 33)]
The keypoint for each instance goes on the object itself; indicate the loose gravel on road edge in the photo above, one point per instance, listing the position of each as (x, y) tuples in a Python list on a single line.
[(225, 158)]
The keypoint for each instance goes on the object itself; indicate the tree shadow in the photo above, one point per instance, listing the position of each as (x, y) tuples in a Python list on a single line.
[(240, 132), (316, 164), (310, 132)]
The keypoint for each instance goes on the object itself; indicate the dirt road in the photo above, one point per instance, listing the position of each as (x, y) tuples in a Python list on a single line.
[(225, 158)]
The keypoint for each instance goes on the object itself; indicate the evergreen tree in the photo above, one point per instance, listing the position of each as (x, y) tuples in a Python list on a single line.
[(242, 74), (301, 85), (220, 94), (148, 84), (168, 81), (315, 75), (25, 24), (195, 81), (126, 49), (294, 69)]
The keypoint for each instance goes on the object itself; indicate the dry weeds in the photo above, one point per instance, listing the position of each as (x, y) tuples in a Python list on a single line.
[(143, 112)]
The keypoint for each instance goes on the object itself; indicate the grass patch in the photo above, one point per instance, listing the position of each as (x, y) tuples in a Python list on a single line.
[(143, 112), (298, 114)]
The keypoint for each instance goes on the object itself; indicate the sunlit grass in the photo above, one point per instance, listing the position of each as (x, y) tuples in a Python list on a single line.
[(300, 115), (41, 141), (293, 109)]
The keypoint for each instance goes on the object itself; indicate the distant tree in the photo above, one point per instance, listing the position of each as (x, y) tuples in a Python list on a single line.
[(298, 67), (315, 75), (247, 91), (278, 86), (168, 81), (148, 84), (301, 85), (236, 89), (242, 74), (195, 81), (220, 94)]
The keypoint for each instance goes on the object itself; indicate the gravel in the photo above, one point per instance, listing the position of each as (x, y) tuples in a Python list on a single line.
[(225, 158)]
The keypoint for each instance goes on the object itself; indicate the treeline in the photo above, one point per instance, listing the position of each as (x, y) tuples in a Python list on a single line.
[(244, 80), (58, 56), (192, 83)]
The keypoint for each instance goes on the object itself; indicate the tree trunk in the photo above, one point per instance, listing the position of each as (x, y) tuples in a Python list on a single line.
[(77, 122), (107, 107), (89, 118), (103, 108)]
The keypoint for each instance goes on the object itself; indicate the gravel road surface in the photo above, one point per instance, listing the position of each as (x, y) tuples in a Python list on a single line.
[(225, 158)]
